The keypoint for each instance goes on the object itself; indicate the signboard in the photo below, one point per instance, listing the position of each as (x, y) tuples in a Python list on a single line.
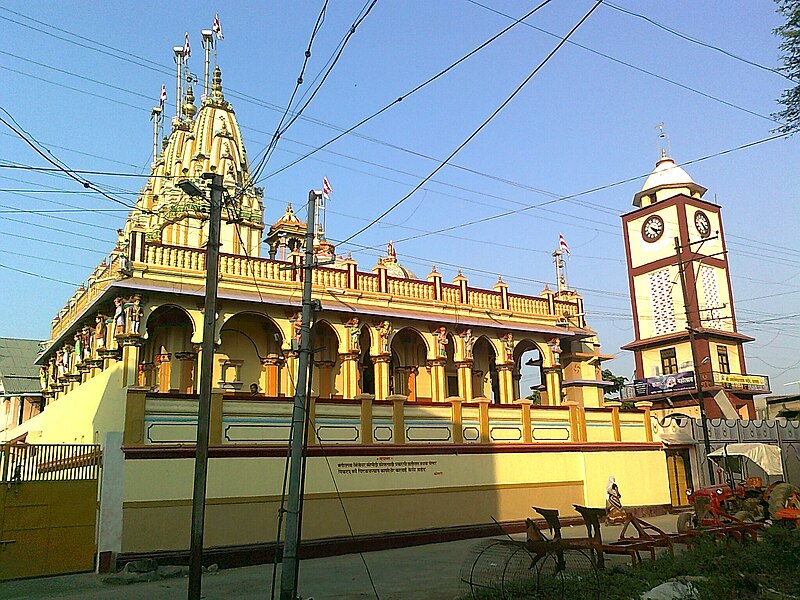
[(753, 383), (664, 384)]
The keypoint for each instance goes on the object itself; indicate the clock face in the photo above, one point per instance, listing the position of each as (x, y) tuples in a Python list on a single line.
[(653, 228), (702, 223)]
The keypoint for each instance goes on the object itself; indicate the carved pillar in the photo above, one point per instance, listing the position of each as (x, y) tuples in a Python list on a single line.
[(183, 376), (325, 378), (552, 377), (381, 365), (350, 384), (130, 359), (438, 382), (163, 371), (464, 370), (505, 375), (270, 368)]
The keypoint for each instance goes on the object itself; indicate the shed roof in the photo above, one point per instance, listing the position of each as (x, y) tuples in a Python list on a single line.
[(18, 374)]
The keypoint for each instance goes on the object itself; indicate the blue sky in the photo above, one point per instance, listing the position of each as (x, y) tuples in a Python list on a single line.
[(584, 121)]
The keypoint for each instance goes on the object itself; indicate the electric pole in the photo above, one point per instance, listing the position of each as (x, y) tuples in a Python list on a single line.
[(690, 328), (206, 372), (291, 544)]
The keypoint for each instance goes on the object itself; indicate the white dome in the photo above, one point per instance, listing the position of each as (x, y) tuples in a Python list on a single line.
[(667, 175)]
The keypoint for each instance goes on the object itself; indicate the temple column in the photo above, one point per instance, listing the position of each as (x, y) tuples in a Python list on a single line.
[(130, 359), (324, 378), (164, 371), (505, 377), (381, 366), (184, 374), (465, 380), (552, 377), (438, 382), (350, 384), (290, 372), (270, 370)]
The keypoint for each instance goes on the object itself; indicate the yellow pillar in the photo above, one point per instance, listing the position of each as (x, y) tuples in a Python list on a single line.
[(399, 419), (366, 418), (350, 386), (130, 360), (553, 382), (381, 364), (525, 410), (215, 425), (465, 380), (457, 418), (645, 406), (133, 435), (438, 383), (506, 380), (324, 377), (614, 406), (483, 412)]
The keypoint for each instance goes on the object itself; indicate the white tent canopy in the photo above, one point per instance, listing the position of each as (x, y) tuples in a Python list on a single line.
[(766, 456)]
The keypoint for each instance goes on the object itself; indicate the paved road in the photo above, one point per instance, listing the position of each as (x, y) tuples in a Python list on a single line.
[(429, 572)]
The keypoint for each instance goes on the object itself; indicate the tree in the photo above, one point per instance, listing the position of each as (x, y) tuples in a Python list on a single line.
[(619, 382), (790, 32)]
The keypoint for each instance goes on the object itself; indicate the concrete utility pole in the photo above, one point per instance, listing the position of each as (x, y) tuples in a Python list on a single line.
[(291, 544), (206, 373), (698, 382)]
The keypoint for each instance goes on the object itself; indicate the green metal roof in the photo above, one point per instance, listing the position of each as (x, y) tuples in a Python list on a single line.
[(18, 374)]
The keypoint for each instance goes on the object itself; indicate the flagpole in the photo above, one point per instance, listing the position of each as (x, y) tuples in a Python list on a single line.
[(208, 41), (178, 50), (156, 116)]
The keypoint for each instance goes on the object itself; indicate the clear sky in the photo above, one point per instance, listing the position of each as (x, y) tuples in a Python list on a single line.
[(81, 78)]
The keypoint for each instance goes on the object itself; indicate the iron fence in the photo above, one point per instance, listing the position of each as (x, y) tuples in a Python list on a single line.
[(49, 462)]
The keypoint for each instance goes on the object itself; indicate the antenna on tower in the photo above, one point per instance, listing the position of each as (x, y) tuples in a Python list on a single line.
[(664, 147)]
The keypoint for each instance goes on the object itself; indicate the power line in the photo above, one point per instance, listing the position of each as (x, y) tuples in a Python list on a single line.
[(38, 276), (486, 122)]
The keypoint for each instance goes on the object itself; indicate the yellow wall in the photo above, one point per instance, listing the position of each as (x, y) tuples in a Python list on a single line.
[(643, 252)]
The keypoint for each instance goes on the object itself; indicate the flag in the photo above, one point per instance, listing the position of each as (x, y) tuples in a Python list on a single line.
[(327, 190), (187, 50), (217, 28), (562, 244), (163, 97)]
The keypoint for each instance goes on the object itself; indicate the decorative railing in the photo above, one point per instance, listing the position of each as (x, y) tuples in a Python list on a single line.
[(243, 419)]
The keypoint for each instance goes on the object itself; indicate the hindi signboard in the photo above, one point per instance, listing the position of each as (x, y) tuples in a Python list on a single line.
[(664, 384)]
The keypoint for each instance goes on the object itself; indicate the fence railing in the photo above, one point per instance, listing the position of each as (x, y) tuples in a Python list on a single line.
[(49, 462)]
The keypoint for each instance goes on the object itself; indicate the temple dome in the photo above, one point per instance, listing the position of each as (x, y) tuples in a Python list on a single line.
[(666, 180)]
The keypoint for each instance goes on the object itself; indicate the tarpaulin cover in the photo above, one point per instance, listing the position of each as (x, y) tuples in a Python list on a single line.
[(766, 456)]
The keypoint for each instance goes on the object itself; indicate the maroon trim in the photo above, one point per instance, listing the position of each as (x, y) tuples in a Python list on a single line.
[(251, 451)]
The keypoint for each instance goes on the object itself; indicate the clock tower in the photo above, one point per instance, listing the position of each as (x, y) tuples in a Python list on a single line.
[(687, 346)]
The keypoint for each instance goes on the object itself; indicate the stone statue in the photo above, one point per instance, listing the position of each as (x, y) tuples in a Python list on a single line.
[(441, 342), (44, 381), (384, 331), (469, 342), (134, 315), (119, 316), (508, 346), (555, 348), (77, 349), (100, 332), (355, 334), (297, 328), (86, 342)]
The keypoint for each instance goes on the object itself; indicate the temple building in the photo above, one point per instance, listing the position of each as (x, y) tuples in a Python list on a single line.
[(425, 392)]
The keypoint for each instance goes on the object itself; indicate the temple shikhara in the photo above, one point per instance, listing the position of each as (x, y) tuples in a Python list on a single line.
[(435, 405)]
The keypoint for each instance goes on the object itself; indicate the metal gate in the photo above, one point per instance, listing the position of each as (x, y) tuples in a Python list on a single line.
[(48, 509)]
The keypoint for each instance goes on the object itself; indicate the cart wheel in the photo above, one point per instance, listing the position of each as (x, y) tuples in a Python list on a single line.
[(685, 522)]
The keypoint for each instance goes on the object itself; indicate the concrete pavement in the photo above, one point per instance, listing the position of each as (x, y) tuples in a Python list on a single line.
[(430, 572)]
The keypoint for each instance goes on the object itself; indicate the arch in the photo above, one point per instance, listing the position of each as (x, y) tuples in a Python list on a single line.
[(154, 310), (528, 375), (485, 382), (249, 353), (325, 344), (168, 361), (408, 375), (450, 368), (366, 368)]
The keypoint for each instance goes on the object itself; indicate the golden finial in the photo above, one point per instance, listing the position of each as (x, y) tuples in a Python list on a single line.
[(189, 109), (216, 86)]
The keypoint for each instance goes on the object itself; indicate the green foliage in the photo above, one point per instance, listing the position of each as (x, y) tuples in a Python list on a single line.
[(790, 33), (535, 397), (619, 382)]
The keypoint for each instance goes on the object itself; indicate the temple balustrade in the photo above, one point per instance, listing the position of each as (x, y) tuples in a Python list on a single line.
[(155, 419)]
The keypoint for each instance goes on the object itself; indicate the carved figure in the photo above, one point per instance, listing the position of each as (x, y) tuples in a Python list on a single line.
[(77, 350), (355, 334), (614, 509), (119, 316), (441, 341), (469, 342), (134, 315), (508, 346), (297, 326), (555, 348), (384, 331), (100, 332), (44, 377), (86, 343), (390, 251)]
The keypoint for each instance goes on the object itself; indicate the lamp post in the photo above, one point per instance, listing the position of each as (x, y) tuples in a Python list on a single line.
[(206, 371)]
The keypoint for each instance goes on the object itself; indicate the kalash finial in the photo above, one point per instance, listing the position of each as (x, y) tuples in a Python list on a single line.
[(216, 86), (189, 109)]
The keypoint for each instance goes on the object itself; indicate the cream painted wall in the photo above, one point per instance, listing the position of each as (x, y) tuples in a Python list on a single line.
[(710, 246), (651, 359), (644, 305), (643, 252)]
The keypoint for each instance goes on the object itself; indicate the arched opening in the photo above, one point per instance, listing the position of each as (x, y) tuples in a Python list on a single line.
[(366, 369), (485, 380), (408, 372), (450, 368), (168, 361), (249, 357), (325, 345), (528, 377)]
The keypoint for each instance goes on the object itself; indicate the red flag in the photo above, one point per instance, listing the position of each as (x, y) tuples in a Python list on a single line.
[(327, 190), (562, 244), (187, 50), (217, 28), (163, 97)]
